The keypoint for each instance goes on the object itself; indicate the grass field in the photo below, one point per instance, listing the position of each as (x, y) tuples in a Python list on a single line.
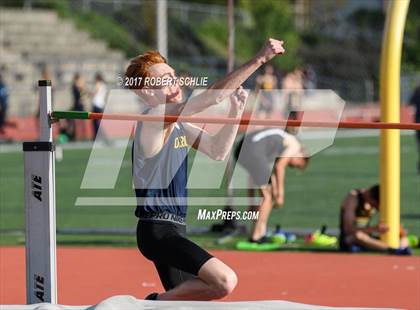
[(311, 200)]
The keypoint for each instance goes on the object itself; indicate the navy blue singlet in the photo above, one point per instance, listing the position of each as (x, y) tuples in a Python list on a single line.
[(161, 181)]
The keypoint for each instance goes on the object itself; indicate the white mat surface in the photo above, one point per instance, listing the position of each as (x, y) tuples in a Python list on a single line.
[(131, 303)]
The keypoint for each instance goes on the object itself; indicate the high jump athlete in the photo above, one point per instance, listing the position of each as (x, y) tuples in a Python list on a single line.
[(187, 271)]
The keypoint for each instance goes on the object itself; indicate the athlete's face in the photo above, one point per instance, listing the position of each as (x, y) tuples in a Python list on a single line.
[(297, 162), (370, 201), (172, 92)]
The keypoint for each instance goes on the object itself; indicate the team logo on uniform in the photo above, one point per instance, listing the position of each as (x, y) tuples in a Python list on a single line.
[(180, 142), (37, 187)]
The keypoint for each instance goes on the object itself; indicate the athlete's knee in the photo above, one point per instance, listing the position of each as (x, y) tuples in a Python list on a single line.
[(230, 280), (266, 191), (219, 277), (360, 236), (226, 283)]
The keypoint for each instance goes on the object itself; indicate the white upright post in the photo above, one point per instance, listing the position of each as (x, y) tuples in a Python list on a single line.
[(41, 272)]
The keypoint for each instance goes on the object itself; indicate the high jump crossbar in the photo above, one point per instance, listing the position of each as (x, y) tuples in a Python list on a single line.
[(228, 120)]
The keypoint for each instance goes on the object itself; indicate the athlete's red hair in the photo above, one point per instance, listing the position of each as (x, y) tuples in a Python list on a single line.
[(138, 67)]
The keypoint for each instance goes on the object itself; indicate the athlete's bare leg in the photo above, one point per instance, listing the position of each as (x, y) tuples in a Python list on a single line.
[(363, 239), (260, 226), (253, 206), (215, 280)]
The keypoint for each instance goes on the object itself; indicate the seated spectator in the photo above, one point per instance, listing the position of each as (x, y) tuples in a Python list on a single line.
[(356, 232)]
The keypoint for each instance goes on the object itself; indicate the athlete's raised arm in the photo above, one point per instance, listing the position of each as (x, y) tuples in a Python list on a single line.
[(224, 87), (218, 146)]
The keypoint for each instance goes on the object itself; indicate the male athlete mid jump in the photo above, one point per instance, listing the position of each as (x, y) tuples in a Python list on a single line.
[(187, 271)]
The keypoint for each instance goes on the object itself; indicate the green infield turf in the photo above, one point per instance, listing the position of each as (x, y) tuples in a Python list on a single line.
[(312, 199)]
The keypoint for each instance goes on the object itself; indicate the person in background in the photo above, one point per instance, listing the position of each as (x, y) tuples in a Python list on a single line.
[(266, 81), (415, 101), (292, 85), (98, 102), (4, 100), (309, 77), (356, 232), (78, 92), (266, 154)]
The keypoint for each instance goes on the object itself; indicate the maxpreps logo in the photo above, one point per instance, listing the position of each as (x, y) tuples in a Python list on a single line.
[(36, 187), (180, 142), (314, 141)]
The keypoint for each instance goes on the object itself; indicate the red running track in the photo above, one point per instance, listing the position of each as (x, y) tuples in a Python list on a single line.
[(88, 275)]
